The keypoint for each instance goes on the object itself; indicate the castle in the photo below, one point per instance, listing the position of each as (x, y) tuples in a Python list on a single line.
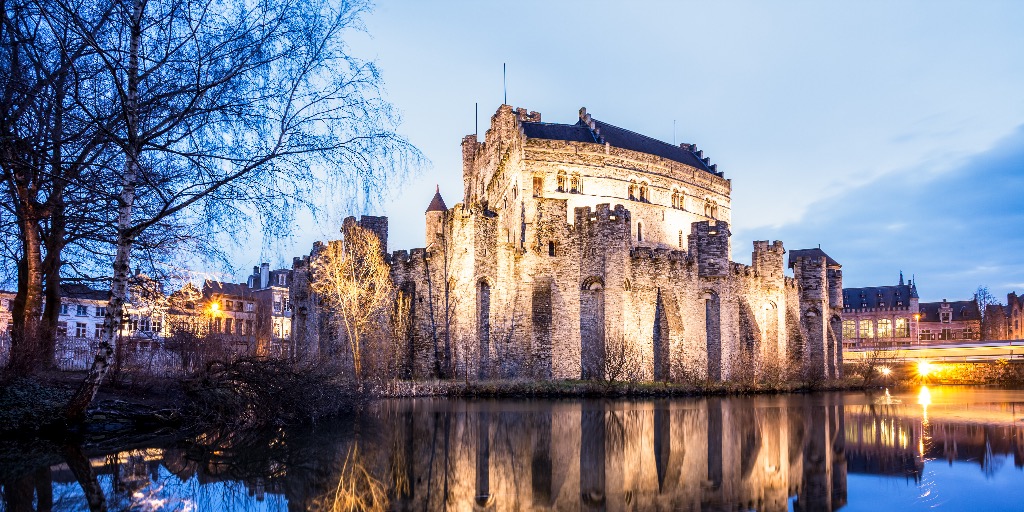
[(589, 251)]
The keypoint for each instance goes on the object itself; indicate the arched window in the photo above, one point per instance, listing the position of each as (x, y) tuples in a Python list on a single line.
[(639, 232), (710, 209), (576, 184), (644, 192), (515, 191), (561, 181), (632, 191), (538, 186)]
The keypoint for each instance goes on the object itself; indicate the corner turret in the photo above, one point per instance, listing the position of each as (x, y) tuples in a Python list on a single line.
[(435, 218)]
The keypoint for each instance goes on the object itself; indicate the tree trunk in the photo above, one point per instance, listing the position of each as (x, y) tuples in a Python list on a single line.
[(79, 403), (54, 241), (27, 308), (80, 467)]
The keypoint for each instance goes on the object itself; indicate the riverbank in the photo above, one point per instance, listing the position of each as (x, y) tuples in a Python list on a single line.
[(252, 394), (519, 388)]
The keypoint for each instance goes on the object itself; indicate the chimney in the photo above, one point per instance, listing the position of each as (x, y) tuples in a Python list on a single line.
[(264, 275)]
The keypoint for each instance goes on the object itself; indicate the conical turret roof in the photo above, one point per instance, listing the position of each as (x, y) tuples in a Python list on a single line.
[(437, 203)]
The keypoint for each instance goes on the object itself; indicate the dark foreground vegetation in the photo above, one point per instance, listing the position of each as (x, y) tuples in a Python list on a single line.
[(252, 394)]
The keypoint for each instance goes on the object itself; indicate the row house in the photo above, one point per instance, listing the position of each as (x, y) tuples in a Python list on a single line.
[(83, 311)]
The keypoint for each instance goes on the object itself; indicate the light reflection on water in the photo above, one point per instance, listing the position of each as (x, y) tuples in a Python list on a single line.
[(940, 448)]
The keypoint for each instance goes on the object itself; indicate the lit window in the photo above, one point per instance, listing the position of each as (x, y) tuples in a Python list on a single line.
[(885, 328), (561, 181), (538, 186), (901, 328), (632, 191), (867, 330), (849, 329)]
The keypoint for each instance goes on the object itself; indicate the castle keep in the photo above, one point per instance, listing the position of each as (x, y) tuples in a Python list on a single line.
[(589, 251)]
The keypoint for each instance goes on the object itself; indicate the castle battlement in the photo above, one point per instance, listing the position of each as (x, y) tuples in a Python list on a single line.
[(602, 213), (573, 239)]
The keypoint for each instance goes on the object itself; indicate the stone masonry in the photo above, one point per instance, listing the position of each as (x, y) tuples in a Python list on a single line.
[(567, 259)]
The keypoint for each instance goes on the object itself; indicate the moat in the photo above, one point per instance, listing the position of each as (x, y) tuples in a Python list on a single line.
[(950, 448)]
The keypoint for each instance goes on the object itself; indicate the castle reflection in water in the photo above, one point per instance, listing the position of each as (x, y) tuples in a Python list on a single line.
[(756, 453)]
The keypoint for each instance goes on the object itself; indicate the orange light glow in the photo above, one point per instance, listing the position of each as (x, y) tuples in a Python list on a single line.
[(924, 368), (214, 307), (885, 370)]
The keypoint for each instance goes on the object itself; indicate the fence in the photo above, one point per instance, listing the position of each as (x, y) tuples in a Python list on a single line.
[(170, 357)]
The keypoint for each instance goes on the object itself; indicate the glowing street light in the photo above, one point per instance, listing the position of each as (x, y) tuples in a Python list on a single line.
[(924, 368), (885, 371), (214, 307)]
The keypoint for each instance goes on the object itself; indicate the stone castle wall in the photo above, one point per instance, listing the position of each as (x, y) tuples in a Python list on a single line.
[(529, 281)]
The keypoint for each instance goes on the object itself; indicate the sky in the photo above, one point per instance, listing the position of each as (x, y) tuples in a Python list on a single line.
[(892, 134)]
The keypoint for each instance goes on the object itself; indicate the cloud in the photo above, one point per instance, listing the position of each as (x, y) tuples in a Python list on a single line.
[(954, 230)]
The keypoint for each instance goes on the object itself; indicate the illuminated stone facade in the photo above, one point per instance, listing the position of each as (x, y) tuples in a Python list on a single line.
[(588, 251), (893, 316)]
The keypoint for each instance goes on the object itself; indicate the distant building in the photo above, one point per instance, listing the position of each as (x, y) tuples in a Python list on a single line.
[(83, 311), (254, 316), (894, 317), (271, 288), (944, 322), (996, 323), (1014, 316), (231, 310), (884, 316), (6, 305)]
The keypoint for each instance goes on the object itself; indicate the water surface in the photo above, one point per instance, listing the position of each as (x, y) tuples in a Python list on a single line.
[(943, 448)]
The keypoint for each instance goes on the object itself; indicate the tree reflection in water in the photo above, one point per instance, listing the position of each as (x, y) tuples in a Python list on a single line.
[(760, 453)]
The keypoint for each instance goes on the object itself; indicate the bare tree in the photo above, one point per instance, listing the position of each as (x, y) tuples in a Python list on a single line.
[(226, 106), (354, 286), (984, 299), (49, 153)]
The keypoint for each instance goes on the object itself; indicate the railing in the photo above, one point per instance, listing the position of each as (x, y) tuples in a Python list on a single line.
[(152, 356)]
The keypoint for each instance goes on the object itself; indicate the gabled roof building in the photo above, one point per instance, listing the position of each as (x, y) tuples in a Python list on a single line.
[(894, 316)]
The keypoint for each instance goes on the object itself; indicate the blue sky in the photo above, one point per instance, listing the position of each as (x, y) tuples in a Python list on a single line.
[(889, 133)]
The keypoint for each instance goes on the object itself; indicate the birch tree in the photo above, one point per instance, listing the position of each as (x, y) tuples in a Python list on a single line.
[(230, 106), (354, 286)]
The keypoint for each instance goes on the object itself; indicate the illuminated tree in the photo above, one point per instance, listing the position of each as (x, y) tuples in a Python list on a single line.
[(354, 286)]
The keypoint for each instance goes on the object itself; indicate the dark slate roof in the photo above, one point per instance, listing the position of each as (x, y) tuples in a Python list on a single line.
[(437, 204), (815, 253), (212, 287), (616, 137), (578, 132), (962, 310), (875, 296), (81, 291)]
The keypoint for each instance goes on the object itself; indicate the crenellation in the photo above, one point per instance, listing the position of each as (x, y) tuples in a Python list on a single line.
[(556, 267)]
